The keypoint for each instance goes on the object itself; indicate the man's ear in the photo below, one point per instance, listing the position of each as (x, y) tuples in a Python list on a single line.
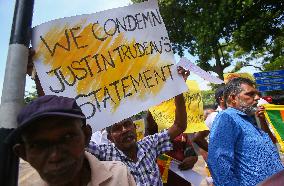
[(20, 151), (232, 99), (87, 129), (222, 99)]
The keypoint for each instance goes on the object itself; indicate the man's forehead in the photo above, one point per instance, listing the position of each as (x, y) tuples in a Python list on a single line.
[(248, 88), (123, 121), (53, 122)]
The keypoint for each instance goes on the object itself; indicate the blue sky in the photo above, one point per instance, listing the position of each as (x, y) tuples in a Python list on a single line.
[(46, 10)]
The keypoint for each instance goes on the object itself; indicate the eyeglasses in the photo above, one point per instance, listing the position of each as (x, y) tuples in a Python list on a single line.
[(119, 126)]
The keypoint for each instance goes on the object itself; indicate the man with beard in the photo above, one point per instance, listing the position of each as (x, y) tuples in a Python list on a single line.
[(240, 153), (140, 156)]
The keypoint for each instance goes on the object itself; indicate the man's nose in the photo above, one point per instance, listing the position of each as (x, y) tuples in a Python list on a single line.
[(55, 153), (256, 97), (124, 128)]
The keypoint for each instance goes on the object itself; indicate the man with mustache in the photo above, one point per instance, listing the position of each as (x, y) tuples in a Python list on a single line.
[(52, 136), (140, 157), (240, 153)]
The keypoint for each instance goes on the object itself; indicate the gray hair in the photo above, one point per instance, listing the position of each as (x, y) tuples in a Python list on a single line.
[(234, 87)]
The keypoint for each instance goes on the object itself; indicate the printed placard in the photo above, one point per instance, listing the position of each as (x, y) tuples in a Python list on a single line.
[(115, 63)]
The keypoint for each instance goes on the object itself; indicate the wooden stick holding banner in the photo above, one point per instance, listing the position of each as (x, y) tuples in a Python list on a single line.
[(115, 63)]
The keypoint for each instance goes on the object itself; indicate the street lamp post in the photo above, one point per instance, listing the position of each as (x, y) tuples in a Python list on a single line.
[(14, 88)]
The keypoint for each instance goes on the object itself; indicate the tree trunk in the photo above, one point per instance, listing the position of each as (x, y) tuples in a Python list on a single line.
[(219, 67)]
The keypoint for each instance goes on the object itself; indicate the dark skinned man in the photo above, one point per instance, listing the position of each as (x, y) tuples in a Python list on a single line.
[(140, 157), (52, 136)]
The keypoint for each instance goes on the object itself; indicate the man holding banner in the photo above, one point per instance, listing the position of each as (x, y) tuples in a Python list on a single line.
[(109, 61), (140, 157), (240, 153), (133, 154)]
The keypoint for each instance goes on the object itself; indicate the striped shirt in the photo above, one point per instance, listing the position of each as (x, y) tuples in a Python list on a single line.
[(145, 171)]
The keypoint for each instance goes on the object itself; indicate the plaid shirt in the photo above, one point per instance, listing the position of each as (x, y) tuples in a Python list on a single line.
[(145, 170)]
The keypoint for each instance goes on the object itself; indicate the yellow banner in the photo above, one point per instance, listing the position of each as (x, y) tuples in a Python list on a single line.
[(140, 128), (229, 76), (164, 114)]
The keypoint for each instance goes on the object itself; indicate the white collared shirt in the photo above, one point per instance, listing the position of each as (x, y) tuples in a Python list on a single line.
[(210, 118)]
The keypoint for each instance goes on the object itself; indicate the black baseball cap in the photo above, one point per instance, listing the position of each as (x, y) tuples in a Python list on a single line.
[(42, 107)]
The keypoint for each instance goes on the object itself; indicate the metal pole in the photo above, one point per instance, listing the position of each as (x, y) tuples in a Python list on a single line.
[(14, 87)]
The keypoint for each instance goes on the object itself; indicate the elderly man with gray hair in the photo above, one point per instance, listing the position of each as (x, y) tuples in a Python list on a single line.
[(240, 153)]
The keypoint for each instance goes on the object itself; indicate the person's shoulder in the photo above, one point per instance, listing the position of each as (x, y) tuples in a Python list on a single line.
[(115, 166), (229, 112), (109, 165), (226, 117), (120, 173), (109, 173), (210, 118), (221, 114)]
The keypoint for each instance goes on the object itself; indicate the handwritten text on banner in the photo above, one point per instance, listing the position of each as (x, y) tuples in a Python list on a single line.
[(115, 63)]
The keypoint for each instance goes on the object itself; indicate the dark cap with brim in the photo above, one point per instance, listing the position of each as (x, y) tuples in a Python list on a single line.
[(43, 107)]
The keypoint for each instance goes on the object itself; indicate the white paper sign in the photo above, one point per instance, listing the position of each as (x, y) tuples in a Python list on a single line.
[(115, 63), (189, 175), (185, 63)]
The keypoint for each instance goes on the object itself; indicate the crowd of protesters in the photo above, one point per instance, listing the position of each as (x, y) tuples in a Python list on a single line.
[(54, 138)]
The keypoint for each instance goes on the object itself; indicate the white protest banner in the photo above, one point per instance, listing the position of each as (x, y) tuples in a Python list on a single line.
[(185, 63), (115, 63), (189, 175)]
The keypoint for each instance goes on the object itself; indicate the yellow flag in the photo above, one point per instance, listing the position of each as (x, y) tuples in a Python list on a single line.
[(164, 114)]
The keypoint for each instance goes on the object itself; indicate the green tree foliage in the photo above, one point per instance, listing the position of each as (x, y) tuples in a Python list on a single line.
[(208, 97), (30, 95), (221, 32)]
